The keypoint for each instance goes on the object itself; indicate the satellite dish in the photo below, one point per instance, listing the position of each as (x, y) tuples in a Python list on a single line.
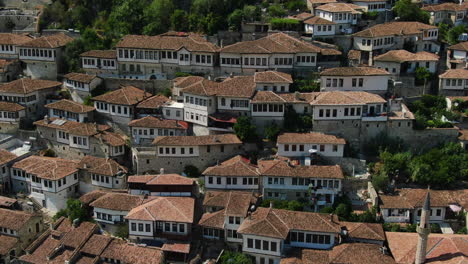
[(312, 151)]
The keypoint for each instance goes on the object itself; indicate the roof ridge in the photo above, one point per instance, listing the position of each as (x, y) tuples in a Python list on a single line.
[(177, 209), (281, 220)]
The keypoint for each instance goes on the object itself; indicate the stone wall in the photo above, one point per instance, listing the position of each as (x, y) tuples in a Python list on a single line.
[(151, 86), (9, 127)]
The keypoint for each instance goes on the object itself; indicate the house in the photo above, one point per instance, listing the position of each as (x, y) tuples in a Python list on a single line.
[(146, 129), (179, 83), (163, 219), (350, 253), (9, 70), (403, 62), (366, 79), (395, 35), (43, 56), (372, 5), (278, 51), (100, 62), (447, 13), (9, 44), (153, 106), (80, 84), (345, 15), (442, 248), (267, 233), (70, 110), (303, 145), (173, 153), (161, 56), (110, 208), (284, 181), (312, 4), (404, 205), (319, 27), (31, 94), (101, 174), (17, 230), (10, 116), (200, 101), (119, 106), (236, 173), (8, 203), (6, 160), (48, 181), (232, 208), (74, 140), (453, 82), (68, 242), (457, 56), (162, 185)]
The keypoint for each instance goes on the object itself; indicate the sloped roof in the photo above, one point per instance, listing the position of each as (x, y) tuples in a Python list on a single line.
[(128, 95), (404, 56), (11, 107), (460, 46), (285, 169), (70, 106), (101, 166), (80, 77), (13, 219), (103, 54), (47, 167), (449, 74), (197, 140), (311, 138), (234, 203), (153, 102), (13, 39), (316, 20), (7, 243), (168, 41), (238, 86), (353, 71), (367, 231), (236, 166), (414, 198), (161, 179), (119, 201), (171, 209), (446, 7), (346, 98), (53, 41), (72, 127), (213, 220), (202, 87), (6, 156), (396, 28), (340, 8), (272, 77), (26, 85), (154, 122)]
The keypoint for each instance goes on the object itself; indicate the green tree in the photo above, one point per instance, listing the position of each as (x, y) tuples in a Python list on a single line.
[(192, 171), (394, 164), (179, 20), (156, 16), (244, 129), (122, 231), (235, 20), (89, 40), (455, 32), (73, 210), (296, 5), (128, 17), (276, 10), (251, 13), (422, 75), (230, 257), (380, 181), (406, 10), (272, 132), (343, 211), (443, 31)]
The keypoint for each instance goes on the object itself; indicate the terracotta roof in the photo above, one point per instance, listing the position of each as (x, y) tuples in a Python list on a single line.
[(321, 1), (6, 156), (446, 7), (353, 71), (277, 223), (449, 74), (311, 138), (272, 77), (213, 220), (460, 46), (301, 16), (13, 39), (46, 167), (70, 106), (26, 86), (202, 87), (441, 248), (346, 98), (6, 201), (162, 179), (96, 244), (153, 102), (284, 169), (128, 95), (11, 107), (171, 209), (367, 231), (7, 243), (327, 49), (53, 41), (111, 138), (349, 253), (154, 122), (316, 20), (234, 203), (13, 219), (221, 139), (103, 54), (132, 254), (414, 198), (168, 41), (267, 97), (92, 196), (101, 166), (80, 77), (275, 43), (118, 201), (238, 86), (182, 82), (394, 29), (72, 127), (299, 98), (340, 8), (236, 166), (401, 56), (463, 135), (179, 247)]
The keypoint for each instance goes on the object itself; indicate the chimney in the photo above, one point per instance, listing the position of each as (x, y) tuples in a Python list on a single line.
[(271, 204), (423, 230), (76, 222), (161, 171), (331, 218), (231, 75)]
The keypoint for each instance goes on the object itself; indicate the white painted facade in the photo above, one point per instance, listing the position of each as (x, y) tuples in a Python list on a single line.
[(302, 149), (81, 86), (114, 109), (454, 84), (378, 6), (178, 151), (108, 216), (373, 83), (320, 30), (77, 117), (395, 68), (7, 116), (368, 112), (198, 108), (232, 183), (98, 63)]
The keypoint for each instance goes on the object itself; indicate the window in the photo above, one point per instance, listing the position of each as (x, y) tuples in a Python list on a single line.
[(249, 243), (140, 227), (133, 225), (258, 244), (147, 227), (273, 246), (266, 245), (335, 148)]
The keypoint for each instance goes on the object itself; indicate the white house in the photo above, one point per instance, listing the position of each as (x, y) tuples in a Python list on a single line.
[(6, 160), (454, 82), (401, 62), (71, 110), (161, 185), (101, 174), (43, 56), (49, 181), (447, 13), (100, 62), (345, 15), (9, 43), (457, 56), (319, 27), (237, 173), (10, 115), (305, 144), (146, 129), (366, 79), (200, 101), (371, 5), (80, 83)]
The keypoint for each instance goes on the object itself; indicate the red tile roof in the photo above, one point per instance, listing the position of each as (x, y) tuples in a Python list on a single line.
[(414, 198), (53, 41), (171, 209), (162, 179), (154, 102), (222, 139), (70, 106), (272, 77), (394, 29), (449, 74), (353, 71), (446, 7), (13, 39), (341, 7), (285, 169), (309, 138), (103, 54), (460, 46), (80, 77), (101, 166), (236, 166), (213, 220), (119, 201), (155, 122), (46, 167), (346, 98), (26, 86), (6, 156), (235, 203), (316, 20), (13, 219), (128, 95), (401, 56), (7, 243)]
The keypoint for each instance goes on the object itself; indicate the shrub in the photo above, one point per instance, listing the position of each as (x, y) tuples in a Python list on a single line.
[(122, 231), (272, 132), (435, 228), (192, 171), (49, 153), (285, 24)]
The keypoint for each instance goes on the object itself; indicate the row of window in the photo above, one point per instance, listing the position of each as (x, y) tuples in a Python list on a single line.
[(6, 47), (430, 33), (153, 131), (305, 59), (82, 141), (76, 84), (108, 63), (344, 16), (195, 116), (236, 103), (301, 147), (197, 101), (104, 216), (275, 88), (9, 115), (234, 220), (233, 180), (168, 227), (267, 108), (89, 62), (68, 115), (38, 53), (334, 82), (324, 28), (375, 6), (327, 184), (302, 237), (455, 82), (100, 178), (18, 99), (203, 59), (352, 111), (231, 61), (262, 245), (174, 151), (378, 42)]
